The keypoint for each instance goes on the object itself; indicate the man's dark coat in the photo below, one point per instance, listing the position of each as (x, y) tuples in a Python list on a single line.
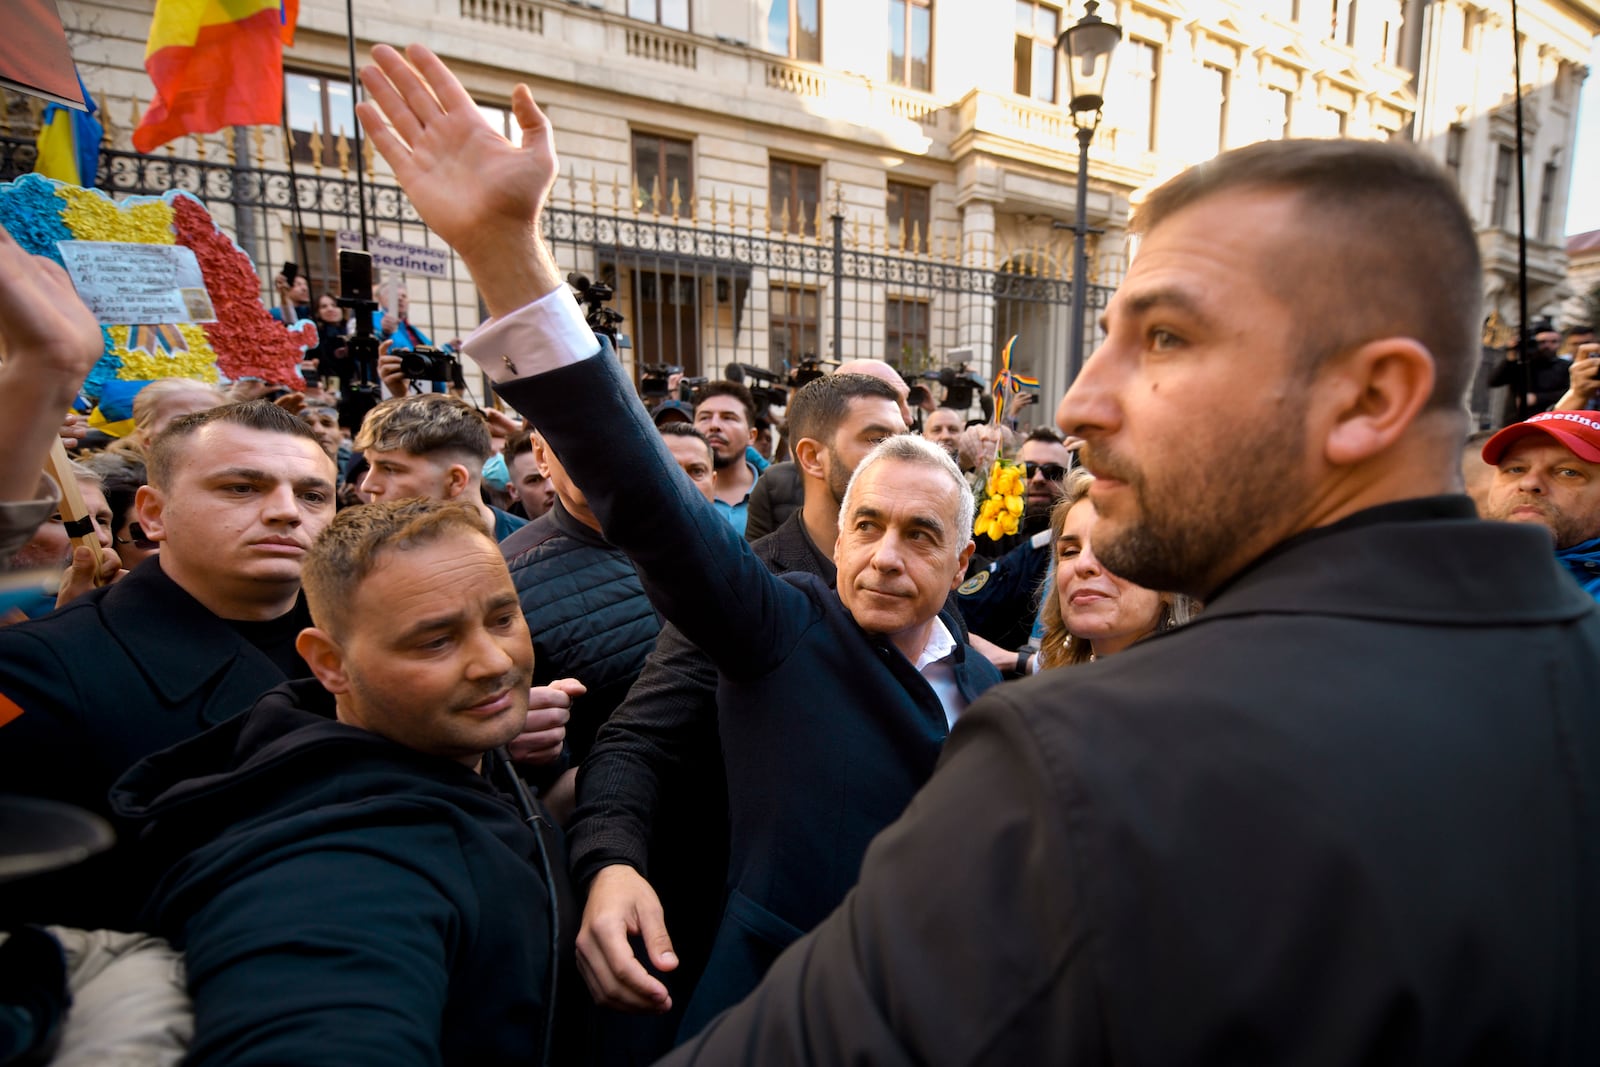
[(121, 672), (342, 899), (826, 730), (1349, 816)]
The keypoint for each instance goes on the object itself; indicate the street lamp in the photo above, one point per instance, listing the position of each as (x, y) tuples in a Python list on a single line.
[(1088, 44)]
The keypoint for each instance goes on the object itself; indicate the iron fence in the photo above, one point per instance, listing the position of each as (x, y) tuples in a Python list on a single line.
[(701, 283)]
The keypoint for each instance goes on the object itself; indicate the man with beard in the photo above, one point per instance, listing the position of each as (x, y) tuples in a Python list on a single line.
[(724, 412), (1322, 822), (1547, 472), (341, 867)]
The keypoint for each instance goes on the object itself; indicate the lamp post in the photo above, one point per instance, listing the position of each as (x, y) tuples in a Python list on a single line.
[(1088, 44)]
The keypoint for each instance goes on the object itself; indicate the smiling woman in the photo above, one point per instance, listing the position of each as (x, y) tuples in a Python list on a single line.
[(1090, 612)]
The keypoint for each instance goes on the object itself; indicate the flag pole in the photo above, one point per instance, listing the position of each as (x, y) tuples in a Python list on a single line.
[(355, 95)]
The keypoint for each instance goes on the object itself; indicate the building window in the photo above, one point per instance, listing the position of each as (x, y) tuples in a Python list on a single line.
[(1547, 199), (662, 165), (908, 207), (1505, 159), (792, 325), (796, 190), (1342, 21), (794, 29), (1391, 42), (1455, 141), (316, 253), (1338, 121), (502, 121), (1035, 53), (910, 43), (906, 333), (1471, 19), (1137, 71), (1216, 80), (673, 14), (1280, 106), (322, 105), (1287, 10)]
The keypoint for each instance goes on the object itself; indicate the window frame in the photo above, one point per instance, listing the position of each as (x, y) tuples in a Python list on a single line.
[(903, 77), (921, 193), (686, 194), (1035, 40), (300, 139), (688, 15), (808, 218)]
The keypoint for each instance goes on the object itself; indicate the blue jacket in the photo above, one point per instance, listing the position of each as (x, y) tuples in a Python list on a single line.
[(1583, 563), (827, 731)]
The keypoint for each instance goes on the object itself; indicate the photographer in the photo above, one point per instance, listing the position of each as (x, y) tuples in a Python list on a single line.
[(1533, 371)]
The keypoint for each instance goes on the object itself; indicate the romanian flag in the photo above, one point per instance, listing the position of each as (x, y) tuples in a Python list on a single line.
[(69, 142), (214, 63)]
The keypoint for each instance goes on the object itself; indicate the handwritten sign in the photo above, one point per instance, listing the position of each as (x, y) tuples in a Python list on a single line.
[(407, 259), (138, 284)]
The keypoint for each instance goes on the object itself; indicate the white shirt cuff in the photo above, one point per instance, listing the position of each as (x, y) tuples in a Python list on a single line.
[(543, 336)]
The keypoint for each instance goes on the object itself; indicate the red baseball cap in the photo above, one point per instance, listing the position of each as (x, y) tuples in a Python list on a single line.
[(1576, 431)]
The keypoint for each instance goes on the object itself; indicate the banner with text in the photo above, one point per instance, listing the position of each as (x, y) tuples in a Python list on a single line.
[(408, 259)]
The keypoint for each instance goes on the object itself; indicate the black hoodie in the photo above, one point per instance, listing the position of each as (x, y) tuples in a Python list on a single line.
[(342, 899)]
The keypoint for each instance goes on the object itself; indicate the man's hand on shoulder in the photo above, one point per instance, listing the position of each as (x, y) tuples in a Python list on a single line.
[(621, 905)]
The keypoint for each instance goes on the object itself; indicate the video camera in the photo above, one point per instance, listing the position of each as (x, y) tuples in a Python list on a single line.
[(601, 319), (960, 384), (764, 385)]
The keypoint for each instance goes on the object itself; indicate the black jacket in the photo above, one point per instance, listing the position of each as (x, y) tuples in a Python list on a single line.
[(779, 493), (587, 612), (121, 672), (341, 899), (826, 730), (1351, 815)]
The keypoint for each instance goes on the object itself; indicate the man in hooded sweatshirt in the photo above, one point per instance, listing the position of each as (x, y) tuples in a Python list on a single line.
[(346, 880)]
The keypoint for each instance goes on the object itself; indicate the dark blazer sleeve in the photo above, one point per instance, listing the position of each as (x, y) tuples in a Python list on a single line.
[(699, 573), (961, 944), (666, 727), (41, 750), (759, 519)]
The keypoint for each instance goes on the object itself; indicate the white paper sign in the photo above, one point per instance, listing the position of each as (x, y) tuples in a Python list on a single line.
[(408, 259), (128, 284)]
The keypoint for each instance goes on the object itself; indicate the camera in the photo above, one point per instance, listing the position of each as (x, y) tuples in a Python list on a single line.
[(426, 364), (361, 393), (655, 379), (599, 318), (766, 387)]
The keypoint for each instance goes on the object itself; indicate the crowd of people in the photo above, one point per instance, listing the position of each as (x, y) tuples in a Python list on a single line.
[(599, 733)]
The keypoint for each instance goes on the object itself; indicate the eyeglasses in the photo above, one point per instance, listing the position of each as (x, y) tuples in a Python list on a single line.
[(1053, 472)]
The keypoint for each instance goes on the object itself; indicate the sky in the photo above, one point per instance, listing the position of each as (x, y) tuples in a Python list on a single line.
[(1583, 204)]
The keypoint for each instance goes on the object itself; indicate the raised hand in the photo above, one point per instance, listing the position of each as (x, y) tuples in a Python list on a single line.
[(474, 188)]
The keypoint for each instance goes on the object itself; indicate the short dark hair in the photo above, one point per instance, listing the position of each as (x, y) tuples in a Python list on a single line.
[(520, 443), (1045, 434), (166, 448), (817, 408), (683, 429), (727, 388), (1388, 219)]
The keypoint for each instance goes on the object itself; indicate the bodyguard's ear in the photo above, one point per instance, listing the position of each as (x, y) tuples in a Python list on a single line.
[(1372, 395), (808, 457), (456, 480), (149, 505), (325, 658)]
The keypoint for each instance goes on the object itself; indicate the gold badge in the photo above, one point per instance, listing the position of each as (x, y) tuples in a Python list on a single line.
[(973, 584)]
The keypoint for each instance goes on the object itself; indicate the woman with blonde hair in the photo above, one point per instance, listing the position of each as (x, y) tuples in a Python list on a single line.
[(1087, 611)]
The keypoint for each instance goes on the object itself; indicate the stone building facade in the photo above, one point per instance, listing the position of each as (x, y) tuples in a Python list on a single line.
[(708, 145)]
